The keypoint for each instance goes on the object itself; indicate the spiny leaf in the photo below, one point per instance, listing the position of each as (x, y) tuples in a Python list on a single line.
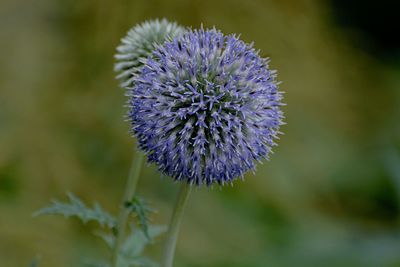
[(138, 206), (137, 240), (132, 248), (77, 208), (134, 245)]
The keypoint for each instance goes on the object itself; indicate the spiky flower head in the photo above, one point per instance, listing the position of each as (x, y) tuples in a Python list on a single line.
[(138, 44), (205, 107)]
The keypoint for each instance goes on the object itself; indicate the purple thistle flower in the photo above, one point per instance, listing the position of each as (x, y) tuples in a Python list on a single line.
[(205, 107)]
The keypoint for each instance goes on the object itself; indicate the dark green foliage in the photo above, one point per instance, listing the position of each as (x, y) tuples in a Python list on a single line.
[(132, 248), (135, 242), (134, 245), (77, 208), (139, 207)]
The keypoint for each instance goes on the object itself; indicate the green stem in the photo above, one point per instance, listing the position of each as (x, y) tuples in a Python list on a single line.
[(133, 178), (174, 225)]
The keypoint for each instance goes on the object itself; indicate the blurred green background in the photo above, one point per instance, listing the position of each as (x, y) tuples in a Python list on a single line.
[(329, 196)]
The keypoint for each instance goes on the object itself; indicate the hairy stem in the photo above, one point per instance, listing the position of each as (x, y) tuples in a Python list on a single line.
[(130, 189), (174, 225)]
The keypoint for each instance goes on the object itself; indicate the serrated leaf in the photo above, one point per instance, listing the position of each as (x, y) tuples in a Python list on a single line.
[(141, 209), (136, 241), (77, 208), (134, 245)]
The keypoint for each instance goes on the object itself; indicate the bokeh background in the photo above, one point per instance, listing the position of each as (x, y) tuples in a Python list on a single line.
[(329, 196)]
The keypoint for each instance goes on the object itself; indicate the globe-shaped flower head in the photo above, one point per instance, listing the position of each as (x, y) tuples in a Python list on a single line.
[(138, 44), (205, 107)]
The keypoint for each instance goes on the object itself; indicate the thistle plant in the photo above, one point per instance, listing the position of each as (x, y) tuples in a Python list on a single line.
[(139, 236), (126, 249), (204, 107)]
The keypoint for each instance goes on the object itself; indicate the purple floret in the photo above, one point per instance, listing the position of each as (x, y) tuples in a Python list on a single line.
[(205, 107)]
